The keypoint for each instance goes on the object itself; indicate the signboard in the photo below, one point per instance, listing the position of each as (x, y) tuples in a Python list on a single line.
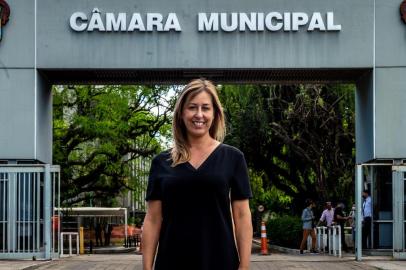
[(206, 22)]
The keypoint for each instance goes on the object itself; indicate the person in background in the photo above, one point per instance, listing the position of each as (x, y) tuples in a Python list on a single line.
[(352, 223), (109, 231), (341, 219), (366, 219), (106, 233), (98, 232), (327, 216), (308, 228)]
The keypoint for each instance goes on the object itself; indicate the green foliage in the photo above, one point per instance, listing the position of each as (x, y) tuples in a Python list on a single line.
[(137, 221), (300, 137), (285, 231), (264, 194), (99, 130)]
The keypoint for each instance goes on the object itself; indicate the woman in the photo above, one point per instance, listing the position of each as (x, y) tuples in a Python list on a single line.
[(308, 219), (190, 191)]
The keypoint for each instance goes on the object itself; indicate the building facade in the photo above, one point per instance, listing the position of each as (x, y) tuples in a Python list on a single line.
[(47, 42)]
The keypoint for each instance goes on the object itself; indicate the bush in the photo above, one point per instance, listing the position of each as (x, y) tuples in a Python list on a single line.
[(285, 231)]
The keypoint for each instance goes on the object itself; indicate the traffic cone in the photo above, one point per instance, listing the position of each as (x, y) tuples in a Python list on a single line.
[(264, 241)]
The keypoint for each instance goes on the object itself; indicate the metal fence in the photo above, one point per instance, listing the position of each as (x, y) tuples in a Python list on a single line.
[(29, 222)]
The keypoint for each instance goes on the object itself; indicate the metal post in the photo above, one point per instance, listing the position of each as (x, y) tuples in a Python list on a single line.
[(125, 227), (398, 212), (12, 203), (70, 244), (358, 212), (330, 240), (339, 240), (371, 171), (81, 247), (47, 211), (77, 245), (59, 204), (61, 244), (38, 203), (53, 214)]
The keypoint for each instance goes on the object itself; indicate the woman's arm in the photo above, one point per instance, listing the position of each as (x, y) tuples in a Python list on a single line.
[(150, 233), (243, 231)]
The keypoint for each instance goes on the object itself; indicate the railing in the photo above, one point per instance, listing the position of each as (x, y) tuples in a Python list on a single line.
[(70, 234), (334, 240), (332, 236), (322, 238), (29, 224)]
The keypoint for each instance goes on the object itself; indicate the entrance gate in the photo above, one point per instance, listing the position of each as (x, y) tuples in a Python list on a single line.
[(29, 224), (49, 42)]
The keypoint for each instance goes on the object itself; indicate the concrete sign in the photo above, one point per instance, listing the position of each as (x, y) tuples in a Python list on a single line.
[(273, 21), (227, 22), (110, 22)]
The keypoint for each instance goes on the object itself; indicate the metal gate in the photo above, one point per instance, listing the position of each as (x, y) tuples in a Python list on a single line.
[(29, 222)]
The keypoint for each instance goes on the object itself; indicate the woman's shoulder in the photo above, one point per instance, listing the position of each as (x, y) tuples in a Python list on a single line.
[(164, 156), (232, 150)]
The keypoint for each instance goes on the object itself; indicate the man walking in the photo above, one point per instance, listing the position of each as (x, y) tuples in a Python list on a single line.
[(366, 219)]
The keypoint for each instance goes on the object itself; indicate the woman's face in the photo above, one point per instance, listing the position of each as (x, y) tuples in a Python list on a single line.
[(198, 115)]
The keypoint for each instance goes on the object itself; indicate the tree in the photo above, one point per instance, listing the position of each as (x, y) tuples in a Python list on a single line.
[(301, 137), (98, 130)]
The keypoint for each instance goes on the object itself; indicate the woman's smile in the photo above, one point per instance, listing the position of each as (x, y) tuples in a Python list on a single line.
[(198, 114)]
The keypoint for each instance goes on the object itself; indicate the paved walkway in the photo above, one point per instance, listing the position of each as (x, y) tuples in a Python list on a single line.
[(272, 262)]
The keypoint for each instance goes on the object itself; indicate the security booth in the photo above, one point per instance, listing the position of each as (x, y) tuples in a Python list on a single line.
[(386, 181), (46, 42)]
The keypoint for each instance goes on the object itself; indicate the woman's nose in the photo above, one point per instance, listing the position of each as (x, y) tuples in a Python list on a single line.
[(199, 112)]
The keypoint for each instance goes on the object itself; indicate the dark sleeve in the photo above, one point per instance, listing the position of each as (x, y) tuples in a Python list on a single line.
[(154, 183), (240, 184)]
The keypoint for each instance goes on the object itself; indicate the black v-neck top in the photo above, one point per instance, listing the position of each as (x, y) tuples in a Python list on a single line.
[(197, 230)]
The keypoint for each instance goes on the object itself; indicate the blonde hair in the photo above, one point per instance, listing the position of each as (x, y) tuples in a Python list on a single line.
[(180, 152)]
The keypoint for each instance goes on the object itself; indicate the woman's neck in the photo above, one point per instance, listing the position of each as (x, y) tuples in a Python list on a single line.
[(201, 142)]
